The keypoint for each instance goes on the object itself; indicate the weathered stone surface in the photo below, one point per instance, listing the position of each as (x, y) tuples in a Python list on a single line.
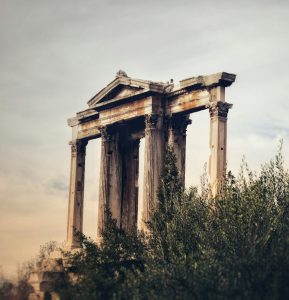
[(153, 159), (177, 127), (127, 110), (75, 209), (218, 140), (42, 281), (119, 177), (122, 113), (130, 184), (110, 177), (128, 98)]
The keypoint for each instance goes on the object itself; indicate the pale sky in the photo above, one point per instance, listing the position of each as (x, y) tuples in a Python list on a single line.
[(55, 55)]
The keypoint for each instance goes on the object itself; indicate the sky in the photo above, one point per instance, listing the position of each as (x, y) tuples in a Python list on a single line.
[(55, 55)]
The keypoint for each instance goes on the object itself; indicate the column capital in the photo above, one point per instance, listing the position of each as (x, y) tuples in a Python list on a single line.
[(105, 135), (179, 123), (219, 109), (78, 146), (151, 121)]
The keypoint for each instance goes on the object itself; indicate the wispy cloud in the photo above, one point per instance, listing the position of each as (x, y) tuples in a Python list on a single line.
[(57, 185), (56, 54)]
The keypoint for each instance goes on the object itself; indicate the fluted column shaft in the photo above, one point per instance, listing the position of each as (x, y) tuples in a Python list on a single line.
[(110, 179), (130, 184), (153, 160), (75, 209), (177, 128), (218, 143)]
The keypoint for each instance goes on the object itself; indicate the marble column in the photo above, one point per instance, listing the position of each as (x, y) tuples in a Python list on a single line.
[(130, 184), (153, 160), (75, 209), (218, 143), (177, 129), (110, 178)]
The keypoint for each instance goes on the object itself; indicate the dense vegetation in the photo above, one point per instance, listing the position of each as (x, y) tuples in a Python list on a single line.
[(232, 247)]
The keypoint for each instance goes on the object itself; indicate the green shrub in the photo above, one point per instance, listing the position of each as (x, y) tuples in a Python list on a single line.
[(234, 246)]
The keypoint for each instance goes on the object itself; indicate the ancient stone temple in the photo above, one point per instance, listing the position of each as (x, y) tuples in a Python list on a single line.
[(122, 113)]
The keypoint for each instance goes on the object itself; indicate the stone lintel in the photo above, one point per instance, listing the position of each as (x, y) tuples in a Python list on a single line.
[(91, 129), (188, 102), (82, 116), (191, 95), (89, 134), (130, 111), (73, 121), (87, 113), (219, 79), (88, 129), (126, 99)]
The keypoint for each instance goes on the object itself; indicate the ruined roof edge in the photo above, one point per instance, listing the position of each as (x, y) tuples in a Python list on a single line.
[(125, 80), (222, 79)]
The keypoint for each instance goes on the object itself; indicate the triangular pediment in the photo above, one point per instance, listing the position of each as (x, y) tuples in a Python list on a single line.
[(119, 92), (123, 87)]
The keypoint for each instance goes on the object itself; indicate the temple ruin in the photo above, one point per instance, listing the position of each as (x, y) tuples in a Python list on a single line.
[(122, 113)]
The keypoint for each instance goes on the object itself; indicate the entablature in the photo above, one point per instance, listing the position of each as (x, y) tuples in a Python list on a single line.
[(126, 99)]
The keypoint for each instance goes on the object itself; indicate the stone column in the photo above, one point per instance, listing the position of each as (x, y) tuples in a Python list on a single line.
[(177, 129), (153, 160), (218, 143), (110, 178), (103, 178), (130, 184), (75, 208)]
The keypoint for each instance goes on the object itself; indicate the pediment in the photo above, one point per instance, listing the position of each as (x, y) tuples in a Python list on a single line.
[(120, 91), (123, 87)]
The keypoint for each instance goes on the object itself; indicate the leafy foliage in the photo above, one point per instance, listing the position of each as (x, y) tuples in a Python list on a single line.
[(20, 289), (102, 271), (234, 246)]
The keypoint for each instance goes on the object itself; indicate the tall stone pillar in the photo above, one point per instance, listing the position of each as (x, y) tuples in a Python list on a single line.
[(177, 129), (75, 208), (153, 160), (218, 143), (130, 184), (110, 178)]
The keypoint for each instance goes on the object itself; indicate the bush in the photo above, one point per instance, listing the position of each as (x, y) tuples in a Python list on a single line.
[(234, 246)]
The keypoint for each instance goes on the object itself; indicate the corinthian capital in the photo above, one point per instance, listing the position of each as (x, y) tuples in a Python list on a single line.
[(179, 123), (151, 121), (219, 109), (78, 146), (105, 136)]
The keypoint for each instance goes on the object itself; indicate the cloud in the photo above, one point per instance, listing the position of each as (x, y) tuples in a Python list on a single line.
[(55, 55), (57, 185)]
